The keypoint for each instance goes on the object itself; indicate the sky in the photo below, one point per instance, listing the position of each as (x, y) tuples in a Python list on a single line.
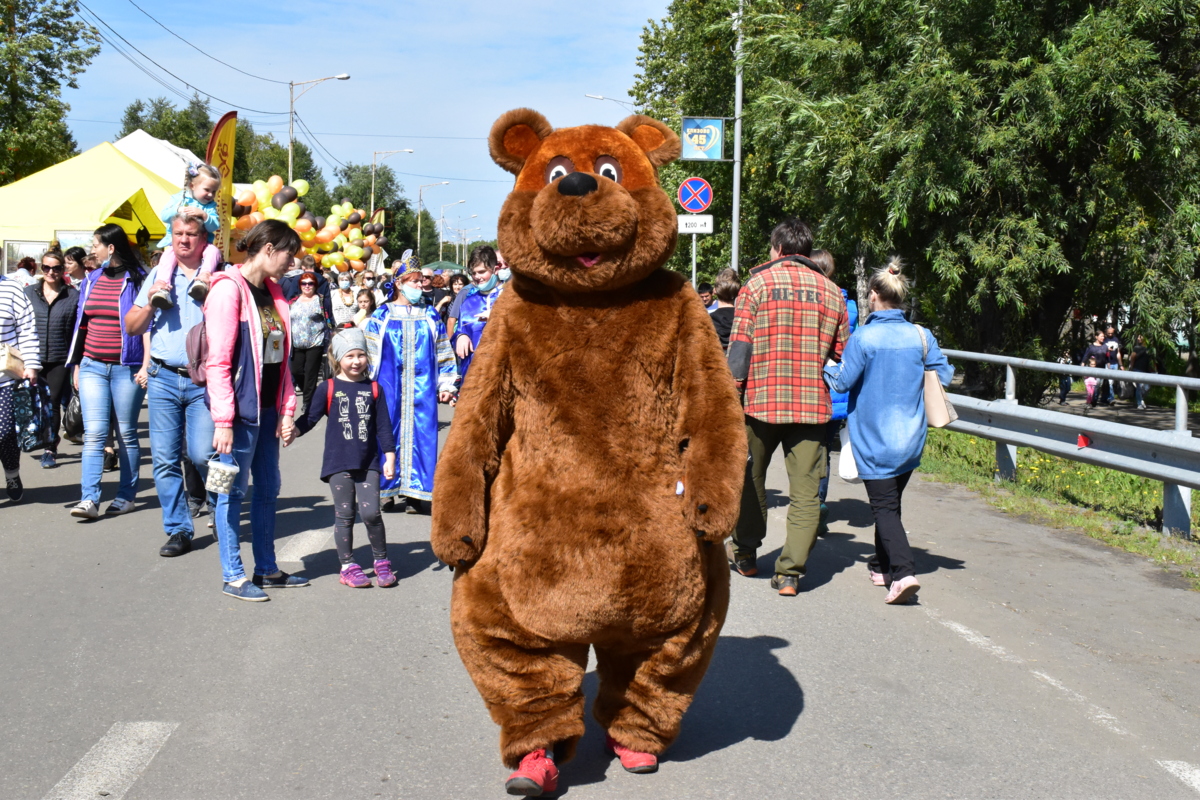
[(430, 76)]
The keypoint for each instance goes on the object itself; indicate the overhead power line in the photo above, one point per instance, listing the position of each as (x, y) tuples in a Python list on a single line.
[(201, 52), (196, 89)]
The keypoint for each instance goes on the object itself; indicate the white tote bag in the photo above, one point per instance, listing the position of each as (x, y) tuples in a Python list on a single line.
[(847, 468)]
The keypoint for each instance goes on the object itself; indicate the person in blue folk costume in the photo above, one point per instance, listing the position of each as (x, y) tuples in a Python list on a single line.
[(470, 311), (412, 361)]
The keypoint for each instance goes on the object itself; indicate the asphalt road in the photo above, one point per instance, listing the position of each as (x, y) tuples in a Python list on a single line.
[(1036, 664)]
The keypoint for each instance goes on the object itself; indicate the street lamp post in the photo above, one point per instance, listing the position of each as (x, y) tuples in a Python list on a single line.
[(292, 97), (630, 106), (421, 189), (385, 154), (464, 232), (442, 226), (462, 259)]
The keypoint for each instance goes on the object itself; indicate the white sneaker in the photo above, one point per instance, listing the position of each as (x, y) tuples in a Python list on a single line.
[(86, 510), (119, 506)]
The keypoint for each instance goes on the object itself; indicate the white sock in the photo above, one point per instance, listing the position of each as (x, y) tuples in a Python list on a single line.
[(239, 582)]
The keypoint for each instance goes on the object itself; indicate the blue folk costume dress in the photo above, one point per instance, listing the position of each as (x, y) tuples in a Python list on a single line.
[(469, 323), (412, 361)]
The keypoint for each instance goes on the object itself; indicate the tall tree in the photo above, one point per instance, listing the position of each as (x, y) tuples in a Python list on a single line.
[(44, 46), (188, 127), (1031, 161)]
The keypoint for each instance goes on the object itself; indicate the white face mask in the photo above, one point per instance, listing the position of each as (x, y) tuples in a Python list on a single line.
[(344, 283), (369, 283), (504, 273), (411, 293)]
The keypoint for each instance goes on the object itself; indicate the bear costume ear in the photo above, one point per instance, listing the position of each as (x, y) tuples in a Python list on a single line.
[(515, 137), (660, 143)]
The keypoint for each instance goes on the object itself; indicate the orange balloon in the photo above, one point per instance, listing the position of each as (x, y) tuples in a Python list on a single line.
[(257, 216), (245, 223), (357, 266), (274, 184), (375, 249), (342, 267), (325, 236), (302, 226), (370, 240), (247, 198)]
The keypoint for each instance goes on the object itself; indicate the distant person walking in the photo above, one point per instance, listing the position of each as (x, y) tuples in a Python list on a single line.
[(789, 320), (883, 368), (1098, 351), (310, 332), (54, 304), (726, 292), (1116, 360), (1141, 361)]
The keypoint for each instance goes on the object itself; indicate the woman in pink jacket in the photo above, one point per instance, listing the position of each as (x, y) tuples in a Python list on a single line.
[(252, 399)]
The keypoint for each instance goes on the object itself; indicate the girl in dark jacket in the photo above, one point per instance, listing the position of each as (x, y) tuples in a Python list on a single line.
[(54, 305)]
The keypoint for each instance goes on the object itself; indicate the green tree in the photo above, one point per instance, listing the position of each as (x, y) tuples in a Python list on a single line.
[(44, 46), (1028, 160), (189, 127)]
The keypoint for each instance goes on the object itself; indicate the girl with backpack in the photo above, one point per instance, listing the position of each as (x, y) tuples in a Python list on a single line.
[(359, 430)]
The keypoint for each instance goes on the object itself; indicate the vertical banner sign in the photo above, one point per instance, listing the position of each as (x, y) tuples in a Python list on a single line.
[(377, 261), (220, 155), (703, 139)]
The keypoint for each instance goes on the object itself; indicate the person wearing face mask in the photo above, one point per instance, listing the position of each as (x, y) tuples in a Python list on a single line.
[(412, 361), (369, 282), (432, 294), (344, 300), (470, 310), (503, 273)]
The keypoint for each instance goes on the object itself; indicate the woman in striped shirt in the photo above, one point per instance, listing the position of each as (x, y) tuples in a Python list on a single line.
[(110, 368), (18, 328)]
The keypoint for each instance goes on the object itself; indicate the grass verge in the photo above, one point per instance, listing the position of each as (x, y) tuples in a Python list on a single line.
[(1118, 509)]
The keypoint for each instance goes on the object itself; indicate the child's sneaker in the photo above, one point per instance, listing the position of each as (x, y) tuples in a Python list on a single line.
[(536, 776), (199, 291), (162, 300), (354, 577), (384, 577)]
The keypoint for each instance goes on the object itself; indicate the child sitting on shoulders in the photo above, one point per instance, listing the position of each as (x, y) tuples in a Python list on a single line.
[(200, 187), (359, 430)]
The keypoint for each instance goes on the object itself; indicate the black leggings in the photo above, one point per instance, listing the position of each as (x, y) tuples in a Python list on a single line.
[(306, 370), (58, 378), (361, 485), (10, 453), (893, 556)]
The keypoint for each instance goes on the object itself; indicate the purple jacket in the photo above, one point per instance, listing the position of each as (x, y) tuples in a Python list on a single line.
[(132, 352)]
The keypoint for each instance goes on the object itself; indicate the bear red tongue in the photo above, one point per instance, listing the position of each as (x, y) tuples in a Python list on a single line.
[(589, 260)]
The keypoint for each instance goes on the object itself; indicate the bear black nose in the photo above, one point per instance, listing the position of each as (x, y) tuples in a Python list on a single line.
[(577, 184)]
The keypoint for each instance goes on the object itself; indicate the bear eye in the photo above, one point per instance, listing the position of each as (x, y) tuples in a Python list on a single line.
[(559, 167), (608, 167)]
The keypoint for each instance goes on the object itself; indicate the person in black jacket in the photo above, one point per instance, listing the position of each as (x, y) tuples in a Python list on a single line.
[(54, 308)]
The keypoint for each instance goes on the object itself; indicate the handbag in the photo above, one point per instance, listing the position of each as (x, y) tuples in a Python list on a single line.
[(33, 414), (72, 420), (939, 411), (847, 466), (11, 362)]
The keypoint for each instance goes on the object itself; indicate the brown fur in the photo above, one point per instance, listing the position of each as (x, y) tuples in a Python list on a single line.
[(595, 389)]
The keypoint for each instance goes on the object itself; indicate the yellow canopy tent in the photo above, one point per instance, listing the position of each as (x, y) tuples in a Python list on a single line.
[(81, 194)]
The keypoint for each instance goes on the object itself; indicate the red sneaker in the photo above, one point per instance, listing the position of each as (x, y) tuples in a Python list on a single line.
[(536, 775), (632, 760)]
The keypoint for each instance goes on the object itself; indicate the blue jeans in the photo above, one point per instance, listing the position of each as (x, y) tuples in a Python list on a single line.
[(177, 408), (256, 453), (103, 390), (1109, 385)]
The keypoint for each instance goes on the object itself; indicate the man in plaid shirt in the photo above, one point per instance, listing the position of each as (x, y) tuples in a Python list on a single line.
[(788, 321)]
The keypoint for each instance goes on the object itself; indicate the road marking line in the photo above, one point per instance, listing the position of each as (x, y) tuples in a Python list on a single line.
[(301, 545), (977, 639), (114, 763), (1095, 713), (1184, 771)]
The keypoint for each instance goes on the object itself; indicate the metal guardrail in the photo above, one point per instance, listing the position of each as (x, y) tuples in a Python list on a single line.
[(1172, 457)]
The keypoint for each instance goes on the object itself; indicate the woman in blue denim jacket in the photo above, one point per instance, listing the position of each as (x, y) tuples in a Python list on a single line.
[(883, 368)]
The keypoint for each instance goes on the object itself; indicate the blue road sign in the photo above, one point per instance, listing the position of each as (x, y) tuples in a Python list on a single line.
[(695, 195)]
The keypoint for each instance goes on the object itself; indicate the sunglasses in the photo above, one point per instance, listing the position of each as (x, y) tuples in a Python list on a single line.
[(52, 268), (307, 283)]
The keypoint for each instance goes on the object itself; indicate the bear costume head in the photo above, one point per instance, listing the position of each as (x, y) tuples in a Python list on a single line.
[(586, 213)]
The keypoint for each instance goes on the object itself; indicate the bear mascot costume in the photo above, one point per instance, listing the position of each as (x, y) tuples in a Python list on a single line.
[(595, 461)]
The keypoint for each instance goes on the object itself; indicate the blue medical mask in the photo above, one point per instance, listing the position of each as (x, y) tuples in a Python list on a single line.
[(491, 284), (504, 274), (412, 293)]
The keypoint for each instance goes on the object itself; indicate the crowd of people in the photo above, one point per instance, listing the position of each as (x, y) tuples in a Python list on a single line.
[(1106, 351), (375, 352), (275, 344)]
